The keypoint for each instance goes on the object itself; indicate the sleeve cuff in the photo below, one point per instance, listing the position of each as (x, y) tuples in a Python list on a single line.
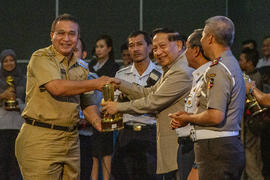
[(122, 107)]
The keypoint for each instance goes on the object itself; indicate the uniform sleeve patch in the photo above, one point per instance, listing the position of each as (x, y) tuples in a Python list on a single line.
[(212, 75), (210, 83)]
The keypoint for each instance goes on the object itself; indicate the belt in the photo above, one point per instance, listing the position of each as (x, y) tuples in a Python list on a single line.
[(139, 126), (34, 122), (210, 134)]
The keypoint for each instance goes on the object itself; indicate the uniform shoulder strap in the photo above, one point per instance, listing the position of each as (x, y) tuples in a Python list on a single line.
[(82, 63), (216, 61)]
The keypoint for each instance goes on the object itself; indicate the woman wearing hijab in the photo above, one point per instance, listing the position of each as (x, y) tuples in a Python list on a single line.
[(10, 113)]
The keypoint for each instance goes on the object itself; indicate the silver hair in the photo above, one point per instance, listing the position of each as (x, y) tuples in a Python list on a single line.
[(222, 28)]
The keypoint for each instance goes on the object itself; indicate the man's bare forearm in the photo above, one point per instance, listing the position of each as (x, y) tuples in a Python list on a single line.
[(70, 88), (209, 117)]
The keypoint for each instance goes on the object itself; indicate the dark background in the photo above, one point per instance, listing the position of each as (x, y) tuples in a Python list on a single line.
[(25, 25)]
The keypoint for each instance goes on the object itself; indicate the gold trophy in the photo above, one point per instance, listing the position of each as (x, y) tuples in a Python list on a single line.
[(251, 102), (110, 122), (11, 104)]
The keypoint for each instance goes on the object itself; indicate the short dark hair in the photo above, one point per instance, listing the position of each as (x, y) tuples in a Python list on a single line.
[(109, 42), (173, 35), (146, 36), (65, 17), (83, 44), (251, 55), (124, 46), (162, 30), (248, 41)]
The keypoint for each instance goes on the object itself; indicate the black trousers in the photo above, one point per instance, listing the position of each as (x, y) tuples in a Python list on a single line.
[(265, 148), (86, 157), (9, 169), (135, 155), (220, 158), (185, 157), (168, 176)]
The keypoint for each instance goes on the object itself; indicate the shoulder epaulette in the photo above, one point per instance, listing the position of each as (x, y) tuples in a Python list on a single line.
[(92, 75), (124, 69), (216, 61), (83, 63)]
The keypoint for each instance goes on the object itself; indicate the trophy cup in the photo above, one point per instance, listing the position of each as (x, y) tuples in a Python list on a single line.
[(255, 122), (11, 104), (251, 102), (110, 122)]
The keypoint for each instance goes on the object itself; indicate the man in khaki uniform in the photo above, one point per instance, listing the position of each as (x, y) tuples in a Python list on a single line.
[(47, 146), (165, 97)]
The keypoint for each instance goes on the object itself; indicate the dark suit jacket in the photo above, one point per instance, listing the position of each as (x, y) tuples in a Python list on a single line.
[(108, 69)]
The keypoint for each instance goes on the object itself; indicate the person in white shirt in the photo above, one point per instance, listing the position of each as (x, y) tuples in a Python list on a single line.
[(135, 151)]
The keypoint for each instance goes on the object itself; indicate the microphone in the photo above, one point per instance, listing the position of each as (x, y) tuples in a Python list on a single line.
[(153, 78)]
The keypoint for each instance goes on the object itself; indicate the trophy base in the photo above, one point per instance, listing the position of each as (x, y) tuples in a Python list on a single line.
[(109, 125), (11, 106), (255, 108)]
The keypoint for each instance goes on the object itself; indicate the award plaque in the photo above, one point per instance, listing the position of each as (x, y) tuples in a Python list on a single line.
[(110, 122)]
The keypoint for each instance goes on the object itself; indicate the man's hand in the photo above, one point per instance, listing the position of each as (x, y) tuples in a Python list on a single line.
[(9, 93), (178, 119), (106, 80), (91, 114), (249, 85), (109, 107)]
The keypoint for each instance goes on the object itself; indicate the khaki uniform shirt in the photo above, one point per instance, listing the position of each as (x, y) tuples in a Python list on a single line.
[(166, 96), (46, 65)]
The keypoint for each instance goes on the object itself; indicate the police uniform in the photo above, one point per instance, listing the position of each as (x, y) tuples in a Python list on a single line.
[(218, 149), (48, 141), (135, 149), (185, 158)]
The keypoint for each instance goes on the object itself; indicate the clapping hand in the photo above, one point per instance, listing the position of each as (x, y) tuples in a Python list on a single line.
[(178, 119)]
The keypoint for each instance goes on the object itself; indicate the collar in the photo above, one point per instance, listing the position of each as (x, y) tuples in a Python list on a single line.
[(148, 70), (178, 58), (61, 58), (226, 53), (199, 71), (221, 57)]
